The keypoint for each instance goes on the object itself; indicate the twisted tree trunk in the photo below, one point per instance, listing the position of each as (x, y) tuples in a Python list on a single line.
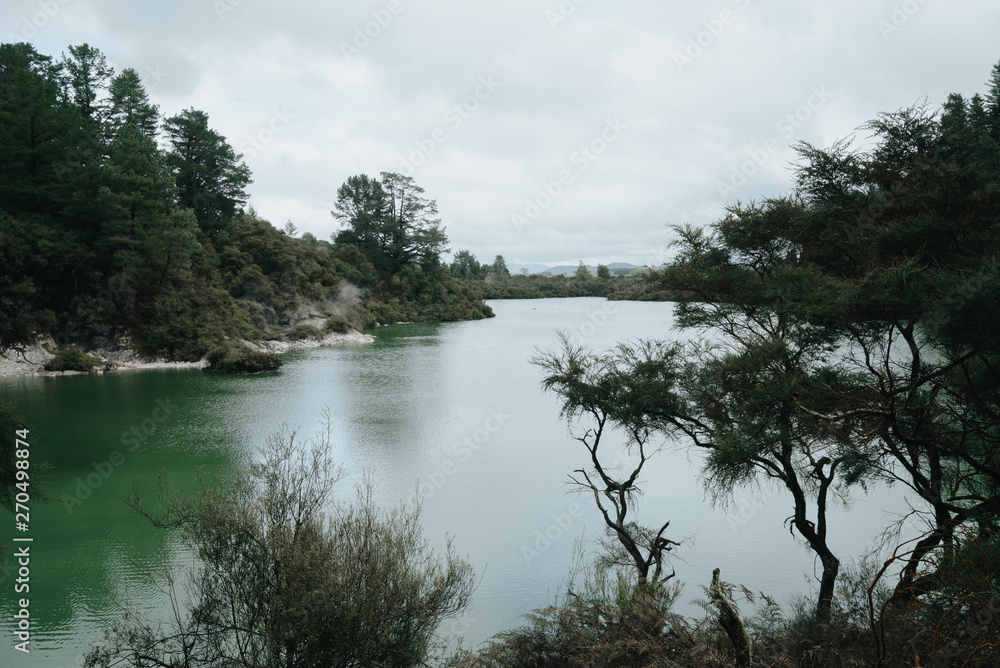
[(731, 622)]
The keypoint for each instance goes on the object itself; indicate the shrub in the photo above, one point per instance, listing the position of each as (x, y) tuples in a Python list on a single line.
[(71, 359), (611, 621), (305, 331), (363, 318), (282, 582), (237, 360), (337, 324)]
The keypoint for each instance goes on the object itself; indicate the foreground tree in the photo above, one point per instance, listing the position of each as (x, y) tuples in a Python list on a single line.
[(887, 260), (279, 585), (595, 388), (743, 401)]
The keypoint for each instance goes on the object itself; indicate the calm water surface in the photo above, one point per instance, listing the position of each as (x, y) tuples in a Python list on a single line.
[(455, 411)]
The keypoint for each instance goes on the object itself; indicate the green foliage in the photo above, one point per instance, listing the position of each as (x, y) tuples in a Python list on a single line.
[(105, 237), (337, 324), (303, 331), (539, 286), (211, 179), (241, 360), (465, 265), (607, 619), (603, 272), (877, 280), (86, 75), (71, 359), (361, 317), (38, 133), (129, 105), (184, 324), (499, 266), (288, 578), (390, 222)]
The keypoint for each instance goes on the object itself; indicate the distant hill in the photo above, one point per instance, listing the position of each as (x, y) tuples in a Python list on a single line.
[(619, 268), (533, 268)]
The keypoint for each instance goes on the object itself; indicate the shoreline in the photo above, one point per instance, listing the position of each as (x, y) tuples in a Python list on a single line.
[(118, 360)]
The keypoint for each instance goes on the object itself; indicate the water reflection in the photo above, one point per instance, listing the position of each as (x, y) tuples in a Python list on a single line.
[(453, 409)]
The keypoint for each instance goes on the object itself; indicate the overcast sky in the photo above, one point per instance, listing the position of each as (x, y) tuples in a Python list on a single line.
[(547, 131)]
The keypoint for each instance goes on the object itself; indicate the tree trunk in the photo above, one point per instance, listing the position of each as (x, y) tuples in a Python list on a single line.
[(731, 622), (831, 568)]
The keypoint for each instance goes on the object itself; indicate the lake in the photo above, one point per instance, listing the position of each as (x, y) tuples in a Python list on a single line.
[(455, 411)]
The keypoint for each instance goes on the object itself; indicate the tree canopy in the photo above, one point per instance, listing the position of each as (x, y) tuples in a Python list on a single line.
[(845, 334), (390, 221), (107, 237)]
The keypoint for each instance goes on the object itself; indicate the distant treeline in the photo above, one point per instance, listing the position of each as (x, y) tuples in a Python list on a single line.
[(106, 237), (494, 281)]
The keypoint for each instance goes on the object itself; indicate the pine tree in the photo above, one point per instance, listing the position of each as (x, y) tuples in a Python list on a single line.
[(993, 103), (37, 131), (85, 76), (500, 266), (129, 103), (211, 178), (978, 116), (87, 73)]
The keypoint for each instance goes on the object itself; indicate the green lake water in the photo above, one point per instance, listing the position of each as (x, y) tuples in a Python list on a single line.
[(455, 411)]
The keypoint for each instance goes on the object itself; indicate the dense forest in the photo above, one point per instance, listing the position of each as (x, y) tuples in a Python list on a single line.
[(121, 227)]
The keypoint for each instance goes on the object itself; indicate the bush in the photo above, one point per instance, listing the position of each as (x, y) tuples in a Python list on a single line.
[(71, 359), (611, 621), (337, 324), (241, 360), (363, 318), (280, 581), (303, 331)]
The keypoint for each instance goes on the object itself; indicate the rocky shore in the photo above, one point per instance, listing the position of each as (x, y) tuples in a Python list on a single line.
[(114, 360)]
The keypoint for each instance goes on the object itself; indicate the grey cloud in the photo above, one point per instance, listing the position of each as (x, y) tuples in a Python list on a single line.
[(691, 124)]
